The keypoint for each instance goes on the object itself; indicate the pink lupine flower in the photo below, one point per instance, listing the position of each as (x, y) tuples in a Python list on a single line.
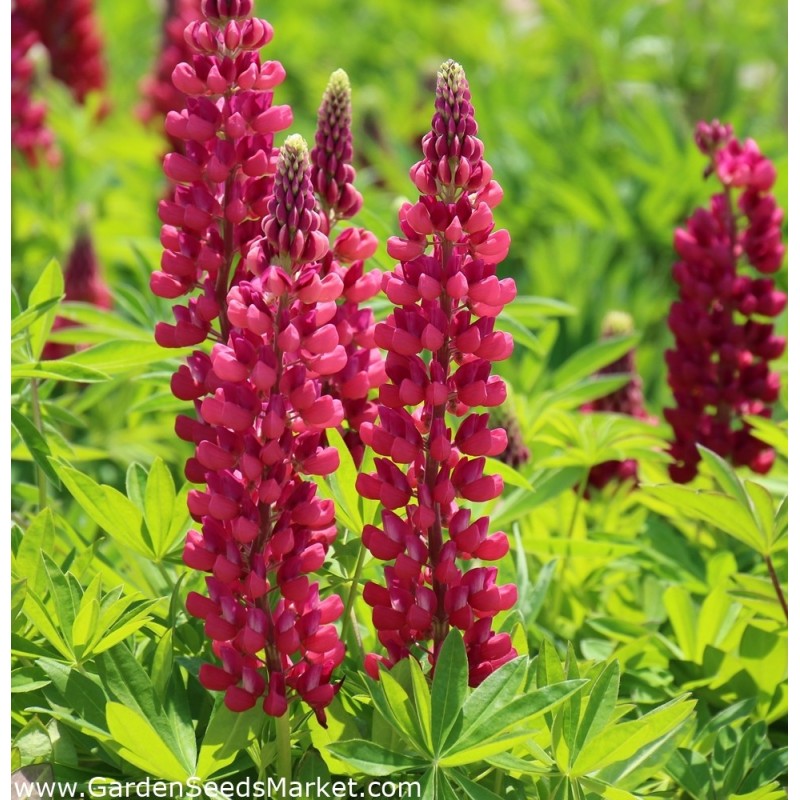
[(628, 400), (70, 32), (83, 283), (160, 96), (719, 369), (29, 132), (441, 342), (252, 246), (332, 175), (262, 418)]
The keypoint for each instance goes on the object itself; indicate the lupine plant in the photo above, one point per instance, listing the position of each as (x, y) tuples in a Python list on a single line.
[(719, 370), (337, 526)]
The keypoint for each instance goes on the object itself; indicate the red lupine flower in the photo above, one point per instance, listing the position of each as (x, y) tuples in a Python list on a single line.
[(29, 133), (69, 31), (262, 421), (719, 368), (82, 283), (332, 175), (160, 94), (628, 400), (258, 395), (447, 296)]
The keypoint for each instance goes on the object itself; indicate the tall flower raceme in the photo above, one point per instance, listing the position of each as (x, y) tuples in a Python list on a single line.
[(83, 282), (263, 527), (719, 369), (160, 95), (441, 344), (70, 32), (260, 410), (628, 400), (29, 132), (333, 177)]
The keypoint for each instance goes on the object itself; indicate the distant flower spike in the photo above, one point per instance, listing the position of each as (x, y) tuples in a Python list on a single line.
[(719, 369), (628, 400), (447, 296)]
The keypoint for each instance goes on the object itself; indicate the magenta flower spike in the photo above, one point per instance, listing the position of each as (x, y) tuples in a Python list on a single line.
[(628, 400), (719, 369), (261, 430), (332, 175), (223, 173), (83, 282), (29, 132), (441, 344)]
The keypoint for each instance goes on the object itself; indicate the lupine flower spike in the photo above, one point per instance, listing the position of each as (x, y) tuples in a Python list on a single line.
[(83, 283), (628, 400), (441, 343), (29, 132), (70, 32), (719, 370), (160, 95), (516, 453), (263, 527), (260, 409), (332, 175)]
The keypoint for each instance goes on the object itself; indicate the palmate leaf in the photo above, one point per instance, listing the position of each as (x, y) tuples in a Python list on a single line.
[(624, 740), (50, 285), (591, 358), (36, 444)]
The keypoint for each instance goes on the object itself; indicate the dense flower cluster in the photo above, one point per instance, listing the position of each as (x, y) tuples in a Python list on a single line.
[(29, 132), (719, 369), (628, 400), (83, 283), (243, 227), (223, 171), (69, 31), (332, 175), (260, 430), (447, 295), (160, 94)]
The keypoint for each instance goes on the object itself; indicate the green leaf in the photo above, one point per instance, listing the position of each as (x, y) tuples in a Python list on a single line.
[(492, 745), (763, 514), (599, 710), (372, 759), (342, 485), (36, 444), (421, 693), (57, 370), (23, 320), (591, 358), (50, 285), (121, 356), (228, 733), (623, 741), (717, 509), (110, 509), (64, 596), (449, 689), (37, 539), (472, 790), (159, 507), (521, 709), (724, 474), (140, 744)]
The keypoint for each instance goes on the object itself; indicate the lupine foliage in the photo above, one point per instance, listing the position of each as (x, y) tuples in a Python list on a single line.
[(650, 618)]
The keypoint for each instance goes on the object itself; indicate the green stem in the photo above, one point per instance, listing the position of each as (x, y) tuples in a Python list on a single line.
[(41, 478), (283, 733), (777, 586), (347, 620)]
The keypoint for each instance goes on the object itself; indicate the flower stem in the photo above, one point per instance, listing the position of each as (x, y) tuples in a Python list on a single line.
[(283, 733), (777, 586), (348, 621), (41, 478)]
